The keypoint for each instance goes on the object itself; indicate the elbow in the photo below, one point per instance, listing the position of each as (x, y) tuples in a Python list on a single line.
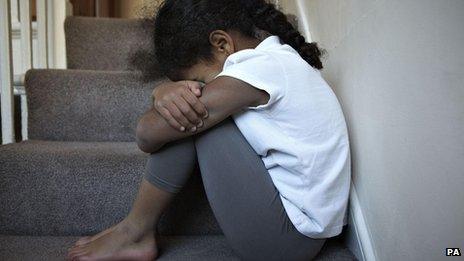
[(145, 135)]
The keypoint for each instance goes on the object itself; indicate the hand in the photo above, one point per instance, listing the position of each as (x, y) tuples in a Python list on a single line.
[(179, 105)]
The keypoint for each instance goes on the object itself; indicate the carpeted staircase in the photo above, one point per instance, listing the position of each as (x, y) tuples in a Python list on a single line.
[(80, 169)]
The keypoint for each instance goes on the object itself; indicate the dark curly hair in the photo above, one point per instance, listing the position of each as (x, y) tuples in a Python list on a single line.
[(182, 29)]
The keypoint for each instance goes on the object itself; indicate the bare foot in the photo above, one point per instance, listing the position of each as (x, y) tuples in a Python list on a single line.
[(120, 242)]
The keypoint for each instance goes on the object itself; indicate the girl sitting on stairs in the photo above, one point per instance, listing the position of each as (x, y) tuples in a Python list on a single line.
[(266, 129)]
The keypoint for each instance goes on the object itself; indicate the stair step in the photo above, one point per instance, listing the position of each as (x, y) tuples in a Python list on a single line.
[(173, 248), (49, 248), (108, 43), (76, 188), (78, 105)]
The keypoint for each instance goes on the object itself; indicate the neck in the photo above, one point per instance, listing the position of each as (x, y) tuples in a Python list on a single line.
[(244, 42)]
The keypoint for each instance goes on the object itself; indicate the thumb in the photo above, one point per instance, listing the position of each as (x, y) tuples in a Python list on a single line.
[(194, 87)]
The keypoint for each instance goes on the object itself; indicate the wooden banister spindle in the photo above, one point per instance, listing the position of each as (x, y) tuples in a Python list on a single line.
[(42, 38), (6, 73), (26, 34)]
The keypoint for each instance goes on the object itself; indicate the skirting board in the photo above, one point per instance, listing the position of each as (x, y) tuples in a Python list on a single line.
[(358, 238)]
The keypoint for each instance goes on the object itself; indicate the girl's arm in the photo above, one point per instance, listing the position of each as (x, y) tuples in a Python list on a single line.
[(222, 97)]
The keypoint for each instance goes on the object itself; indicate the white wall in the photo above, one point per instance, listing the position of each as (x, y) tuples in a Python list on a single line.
[(297, 8), (397, 67)]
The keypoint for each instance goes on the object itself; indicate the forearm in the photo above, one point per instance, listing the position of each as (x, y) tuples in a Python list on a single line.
[(150, 130), (223, 97), (153, 132)]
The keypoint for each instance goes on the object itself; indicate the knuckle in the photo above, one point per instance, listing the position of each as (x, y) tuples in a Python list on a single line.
[(176, 114), (184, 109), (164, 114), (159, 104), (192, 103), (171, 96)]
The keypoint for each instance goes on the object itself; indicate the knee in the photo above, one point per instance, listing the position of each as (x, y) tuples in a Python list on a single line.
[(175, 156), (220, 133)]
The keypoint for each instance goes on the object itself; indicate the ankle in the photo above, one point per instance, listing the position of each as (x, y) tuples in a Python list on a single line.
[(134, 229)]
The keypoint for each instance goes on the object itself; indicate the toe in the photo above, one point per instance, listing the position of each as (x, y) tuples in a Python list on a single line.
[(75, 252), (74, 248), (80, 257), (83, 240)]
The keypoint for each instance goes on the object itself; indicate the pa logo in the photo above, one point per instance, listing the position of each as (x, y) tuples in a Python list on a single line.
[(453, 252)]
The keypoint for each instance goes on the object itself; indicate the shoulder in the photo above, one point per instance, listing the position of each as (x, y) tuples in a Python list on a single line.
[(259, 69), (250, 56)]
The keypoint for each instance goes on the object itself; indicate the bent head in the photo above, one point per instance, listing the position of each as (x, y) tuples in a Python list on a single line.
[(222, 44), (193, 38)]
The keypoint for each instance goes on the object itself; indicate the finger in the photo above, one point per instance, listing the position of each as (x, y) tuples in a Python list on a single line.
[(194, 87), (188, 111), (196, 104), (160, 108), (177, 114), (170, 119)]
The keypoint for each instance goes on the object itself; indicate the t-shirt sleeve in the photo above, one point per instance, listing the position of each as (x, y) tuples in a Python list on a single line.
[(259, 69)]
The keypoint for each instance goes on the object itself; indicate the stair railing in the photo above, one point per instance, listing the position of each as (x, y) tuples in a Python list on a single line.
[(6, 73), (46, 34)]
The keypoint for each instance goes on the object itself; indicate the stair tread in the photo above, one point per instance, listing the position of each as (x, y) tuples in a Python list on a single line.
[(51, 248), (73, 188), (172, 248)]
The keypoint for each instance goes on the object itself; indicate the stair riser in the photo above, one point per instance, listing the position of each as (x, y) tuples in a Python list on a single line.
[(73, 105), (109, 44)]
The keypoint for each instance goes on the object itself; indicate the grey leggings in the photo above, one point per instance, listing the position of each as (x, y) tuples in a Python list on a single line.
[(240, 191)]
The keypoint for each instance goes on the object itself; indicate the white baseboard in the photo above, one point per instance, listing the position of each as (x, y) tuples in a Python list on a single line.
[(358, 235)]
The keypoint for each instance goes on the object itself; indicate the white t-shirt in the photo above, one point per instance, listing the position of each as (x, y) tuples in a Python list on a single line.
[(300, 134)]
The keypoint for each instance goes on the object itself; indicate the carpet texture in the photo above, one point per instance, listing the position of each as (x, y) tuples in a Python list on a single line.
[(195, 248), (108, 44), (81, 188), (74, 105), (172, 248)]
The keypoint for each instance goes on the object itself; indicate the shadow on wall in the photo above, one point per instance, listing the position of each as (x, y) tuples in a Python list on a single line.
[(17, 119)]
